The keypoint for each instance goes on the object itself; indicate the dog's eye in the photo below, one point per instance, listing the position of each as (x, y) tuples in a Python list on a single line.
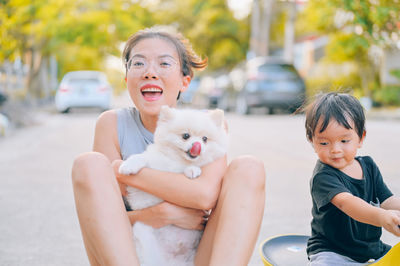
[(185, 135), (205, 139)]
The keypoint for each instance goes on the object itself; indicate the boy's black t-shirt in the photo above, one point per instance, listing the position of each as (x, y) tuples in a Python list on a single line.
[(333, 230)]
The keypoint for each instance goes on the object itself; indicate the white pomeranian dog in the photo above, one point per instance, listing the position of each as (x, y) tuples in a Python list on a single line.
[(184, 141)]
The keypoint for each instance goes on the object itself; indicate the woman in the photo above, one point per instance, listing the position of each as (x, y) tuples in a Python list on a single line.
[(158, 68)]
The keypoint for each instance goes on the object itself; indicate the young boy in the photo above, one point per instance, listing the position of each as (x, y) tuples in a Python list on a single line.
[(350, 200)]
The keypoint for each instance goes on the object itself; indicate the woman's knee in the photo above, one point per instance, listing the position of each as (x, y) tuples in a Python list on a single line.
[(86, 168), (248, 171)]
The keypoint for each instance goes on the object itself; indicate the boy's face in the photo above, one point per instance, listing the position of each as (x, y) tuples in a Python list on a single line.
[(336, 145)]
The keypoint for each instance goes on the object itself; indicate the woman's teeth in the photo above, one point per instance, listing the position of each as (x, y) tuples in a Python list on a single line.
[(151, 90)]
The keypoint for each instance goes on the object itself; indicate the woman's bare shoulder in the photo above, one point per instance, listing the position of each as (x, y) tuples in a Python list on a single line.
[(107, 123), (109, 116), (105, 137)]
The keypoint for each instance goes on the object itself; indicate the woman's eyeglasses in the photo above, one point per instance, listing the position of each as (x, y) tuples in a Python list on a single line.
[(162, 65)]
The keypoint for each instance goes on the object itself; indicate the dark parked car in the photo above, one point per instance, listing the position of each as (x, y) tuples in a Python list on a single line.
[(271, 83), (3, 98)]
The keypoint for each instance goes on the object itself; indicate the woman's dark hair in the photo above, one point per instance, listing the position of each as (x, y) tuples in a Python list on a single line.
[(341, 107), (188, 58)]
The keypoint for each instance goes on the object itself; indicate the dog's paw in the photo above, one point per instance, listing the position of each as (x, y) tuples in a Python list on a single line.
[(128, 168), (132, 165), (192, 171)]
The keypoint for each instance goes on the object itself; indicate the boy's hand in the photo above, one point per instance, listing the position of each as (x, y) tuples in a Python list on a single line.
[(391, 221)]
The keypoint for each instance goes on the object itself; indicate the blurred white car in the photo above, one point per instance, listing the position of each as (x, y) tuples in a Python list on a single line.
[(83, 89)]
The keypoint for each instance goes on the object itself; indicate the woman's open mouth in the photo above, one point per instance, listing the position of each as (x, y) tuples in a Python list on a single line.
[(151, 93)]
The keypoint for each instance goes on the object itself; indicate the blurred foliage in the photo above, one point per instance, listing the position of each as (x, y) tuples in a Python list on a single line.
[(331, 77), (81, 34), (210, 26), (388, 95), (347, 47), (395, 73), (357, 30), (374, 21)]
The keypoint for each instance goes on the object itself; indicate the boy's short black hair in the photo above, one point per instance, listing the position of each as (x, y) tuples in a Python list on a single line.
[(338, 106)]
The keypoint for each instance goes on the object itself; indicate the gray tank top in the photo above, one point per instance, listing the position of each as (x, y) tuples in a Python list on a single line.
[(133, 137)]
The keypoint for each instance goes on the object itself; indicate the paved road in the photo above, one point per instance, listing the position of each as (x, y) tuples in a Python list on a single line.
[(38, 224)]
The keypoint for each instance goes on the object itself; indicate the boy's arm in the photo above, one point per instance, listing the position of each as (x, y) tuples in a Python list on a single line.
[(363, 212), (391, 203)]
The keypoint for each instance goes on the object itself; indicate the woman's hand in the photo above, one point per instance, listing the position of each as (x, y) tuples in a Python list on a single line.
[(167, 213), (115, 165), (183, 217)]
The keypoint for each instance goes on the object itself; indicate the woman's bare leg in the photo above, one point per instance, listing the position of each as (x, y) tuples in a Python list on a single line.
[(232, 229), (105, 227)]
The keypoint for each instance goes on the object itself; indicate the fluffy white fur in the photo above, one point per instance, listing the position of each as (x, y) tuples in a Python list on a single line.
[(171, 245)]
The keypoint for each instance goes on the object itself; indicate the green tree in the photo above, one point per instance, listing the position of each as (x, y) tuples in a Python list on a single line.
[(211, 28), (356, 29), (80, 34)]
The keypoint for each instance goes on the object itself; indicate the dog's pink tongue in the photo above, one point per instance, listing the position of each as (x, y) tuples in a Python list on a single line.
[(196, 149)]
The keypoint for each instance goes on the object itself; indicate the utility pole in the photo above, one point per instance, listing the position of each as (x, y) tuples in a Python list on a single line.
[(288, 50), (261, 17), (260, 27), (255, 29), (265, 27)]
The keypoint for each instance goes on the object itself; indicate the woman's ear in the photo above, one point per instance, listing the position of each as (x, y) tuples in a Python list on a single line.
[(185, 83)]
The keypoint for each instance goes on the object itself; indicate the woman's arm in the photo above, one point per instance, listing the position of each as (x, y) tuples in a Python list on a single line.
[(166, 213), (199, 193), (106, 137), (363, 212), (106, 142)]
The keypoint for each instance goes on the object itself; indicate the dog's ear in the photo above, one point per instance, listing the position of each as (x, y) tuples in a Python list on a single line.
[(166, 114), (217, 116)]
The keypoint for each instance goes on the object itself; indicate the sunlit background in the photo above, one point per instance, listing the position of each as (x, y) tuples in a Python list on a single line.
[(333, 45), (266, 58)]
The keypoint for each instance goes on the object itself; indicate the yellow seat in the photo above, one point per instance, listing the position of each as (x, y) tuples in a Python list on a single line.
[(285, 250), (392, 258), (290, 250)]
